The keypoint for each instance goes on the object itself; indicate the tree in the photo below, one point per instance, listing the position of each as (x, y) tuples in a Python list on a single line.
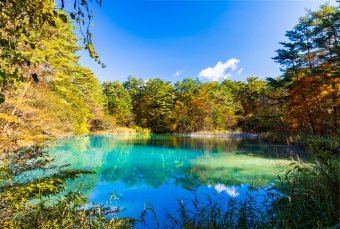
[(225, 107), (119, 103), (310, 61), (156, 105), (203, 106), (252, 93), (185, 94), (57, 97), (22, 23)]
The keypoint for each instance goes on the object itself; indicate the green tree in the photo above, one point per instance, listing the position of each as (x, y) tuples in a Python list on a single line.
[(253, 94), (156, 105), (119, 103)]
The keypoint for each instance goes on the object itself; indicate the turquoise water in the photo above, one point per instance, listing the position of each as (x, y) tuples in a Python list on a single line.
[(161, 169)]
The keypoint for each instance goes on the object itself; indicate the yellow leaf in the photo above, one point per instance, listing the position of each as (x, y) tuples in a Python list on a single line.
[(8, 118)]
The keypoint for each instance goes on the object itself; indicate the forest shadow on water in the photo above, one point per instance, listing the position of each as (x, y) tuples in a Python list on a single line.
[(134, 172)]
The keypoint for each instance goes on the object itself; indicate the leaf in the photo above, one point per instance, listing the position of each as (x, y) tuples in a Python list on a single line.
[(2, 98), (63, 17), (8, 118), (73, 15)]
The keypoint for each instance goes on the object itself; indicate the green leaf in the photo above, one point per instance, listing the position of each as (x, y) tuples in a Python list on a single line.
[(73, 16), (63, 17), (2, 98)]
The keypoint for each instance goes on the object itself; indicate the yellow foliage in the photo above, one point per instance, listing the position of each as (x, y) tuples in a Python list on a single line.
[(8, 118)]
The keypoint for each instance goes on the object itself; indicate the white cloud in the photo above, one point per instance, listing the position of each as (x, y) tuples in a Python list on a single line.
[(178, 73), (240, 71), (219, 71), (230, 190), (220, 188)]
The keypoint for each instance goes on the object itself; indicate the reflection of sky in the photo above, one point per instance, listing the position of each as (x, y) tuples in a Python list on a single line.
[(164, 198), (230, 190), (156, 169)]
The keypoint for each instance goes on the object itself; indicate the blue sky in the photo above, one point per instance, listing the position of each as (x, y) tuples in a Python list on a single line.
[(175, 39)]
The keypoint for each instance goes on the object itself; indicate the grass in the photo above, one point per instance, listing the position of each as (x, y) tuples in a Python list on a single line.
[(207, 212)]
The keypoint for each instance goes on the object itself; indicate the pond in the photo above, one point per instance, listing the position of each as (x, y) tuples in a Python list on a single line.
[(161, 169)]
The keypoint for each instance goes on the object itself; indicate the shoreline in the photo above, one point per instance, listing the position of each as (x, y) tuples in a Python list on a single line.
[(203, 134), (231, 135), (131, 131)]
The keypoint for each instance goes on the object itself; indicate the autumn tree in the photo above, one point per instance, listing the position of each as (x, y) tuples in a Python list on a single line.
[(185, 95), (310, 61), (58, 97), (22, 23)]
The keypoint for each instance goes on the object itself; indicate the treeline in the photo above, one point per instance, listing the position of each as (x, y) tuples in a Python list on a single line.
[(304, 99), (190, 105)]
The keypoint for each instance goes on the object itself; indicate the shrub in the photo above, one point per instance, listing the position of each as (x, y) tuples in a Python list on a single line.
[(30, 188)]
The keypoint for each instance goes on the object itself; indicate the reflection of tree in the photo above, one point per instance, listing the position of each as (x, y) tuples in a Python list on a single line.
[(234, 169), (199, 144), (163, 159), (166, 159), (82, 153), (84, 184), (136, 165)]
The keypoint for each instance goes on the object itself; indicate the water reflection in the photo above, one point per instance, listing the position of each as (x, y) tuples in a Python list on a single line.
[(162, 168)]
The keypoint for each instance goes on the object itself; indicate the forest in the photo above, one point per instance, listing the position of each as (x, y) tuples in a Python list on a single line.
[(46, 94), (42, 81)]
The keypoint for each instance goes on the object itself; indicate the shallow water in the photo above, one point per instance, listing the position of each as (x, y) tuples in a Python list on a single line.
[(161, 169)]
